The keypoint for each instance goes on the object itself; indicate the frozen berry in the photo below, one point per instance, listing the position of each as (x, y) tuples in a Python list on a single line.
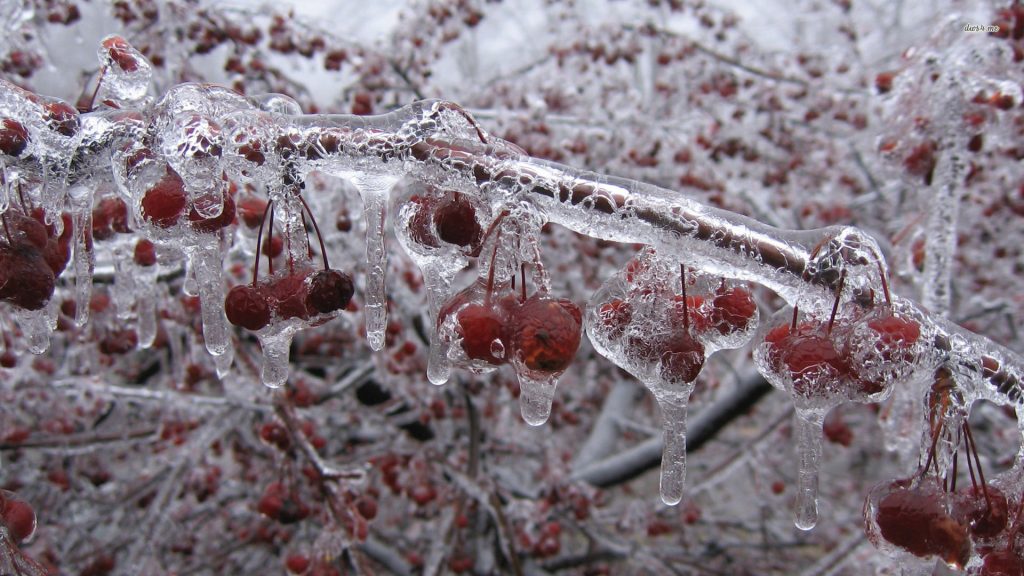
[(18, 517), (277, 503), (145, 253), (984, 512), (214, 223), (682, 359), (614, 316), (329, 290), (121, 53), (733, 309), (164, 203), (27, 280), (287, 296), (13, 137), (109, 216), (455, 221), (245, 307), (547, 333), (62, 118), (479, 326), (915, 520)]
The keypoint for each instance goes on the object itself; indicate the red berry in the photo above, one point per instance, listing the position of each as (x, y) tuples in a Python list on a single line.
[(367, 507), (896, 332), (8, 359), (277, 503), (915, 520), (1002, 563), (164, 203), (26, 230), (58, 250), (422, 494), (329, 290), (883, 82), (614, 316), (18, 517), (547, 333), (275, 434), (250, 210), (245, 307), (26, 279), (62, 118), (479, 326), (121, 53), (455, 221), (13, 137), (985, 517), (682, 359), (699, 320), (297, 563), (119, 342), (109, 216), (215, 223), (420, 223), (287, 296), (733, 310), (145, 253)]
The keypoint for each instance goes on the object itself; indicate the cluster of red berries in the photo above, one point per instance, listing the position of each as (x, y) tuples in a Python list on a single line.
[(539, 333), (676, 337), (853, 357), (297, 292), (922, 519), (16, 517), (32, 256)]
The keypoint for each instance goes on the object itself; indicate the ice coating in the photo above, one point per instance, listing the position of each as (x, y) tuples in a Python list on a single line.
[(374, 191), (808, 447), (438, 144)]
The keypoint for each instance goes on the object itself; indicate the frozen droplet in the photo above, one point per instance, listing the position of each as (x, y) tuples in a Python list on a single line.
[(209, 270), (536, 394), (497, 348), (808, 435), (37, 326), (439, 367), (374, 190), (673, 455), (276, 350), (223, 362), (146, 310)]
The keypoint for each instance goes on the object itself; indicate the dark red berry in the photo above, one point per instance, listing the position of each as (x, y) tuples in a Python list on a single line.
[(915, 520), (215, 223), (277, 503), (121, 53), (546, 333), (682, 359), (733, 310), (62, 118), (250, 210), (615, 315), (479, 326), (297, 563), (245, 307), (18, 517), (13, 137), (164, 203), (287, 296), (145, 253), (119, 342), (329, 290), (26, 280), (984, 512), (275, 434), (1002, 563), (109, 216), (455, 221)]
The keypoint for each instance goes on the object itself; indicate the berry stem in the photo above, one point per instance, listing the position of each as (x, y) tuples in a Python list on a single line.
[(792, 324), (259, 242), (87, 106), (270, 238), (835, 305), (686, 310), (494, 255), (522, 274), (885, 285), (316, 228), (977, 462)]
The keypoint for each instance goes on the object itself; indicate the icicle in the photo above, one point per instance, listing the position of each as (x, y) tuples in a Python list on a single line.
[(224, 361), (276, 350), (84, 259), (206, 262), (536, 393), (808, 433), (146, 310), (374, 190), (673, 455), (125, 290), (37, 326), (437, 279)]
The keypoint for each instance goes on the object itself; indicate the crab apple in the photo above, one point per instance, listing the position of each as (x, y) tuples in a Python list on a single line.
[(121, 53), (280, 505), (696, 318), (546, 333), (13, 137), (145, 253), (277, 435), (214, 223), (329, 290), (896, 335), (287, 295), (455, 221), (682, 359), (18, 517), (251, 210), (246, 307), (421, 228), (62, 118), (109, 216), (982, 510), (915, 519), (733, 310), (119, 342), (807, 357), (1002, 563), (479, 326), (164, 203), (27, 230), (614, 316), (58, 250), (297, 563), (27, 280)]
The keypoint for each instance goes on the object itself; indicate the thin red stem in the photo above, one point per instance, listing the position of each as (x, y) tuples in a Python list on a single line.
[(522, 275), (259, 242), (792, 325), (885, 285), (835, 305), (977, 463), (686, 309), (270, 238), (316, 228)]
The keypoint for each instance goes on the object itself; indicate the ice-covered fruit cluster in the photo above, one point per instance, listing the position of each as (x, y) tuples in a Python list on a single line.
[(32, 256), (299, 294)]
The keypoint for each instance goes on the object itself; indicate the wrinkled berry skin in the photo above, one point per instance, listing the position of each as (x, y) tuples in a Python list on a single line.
[(547, 333), (329, 290), (245, 307)]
